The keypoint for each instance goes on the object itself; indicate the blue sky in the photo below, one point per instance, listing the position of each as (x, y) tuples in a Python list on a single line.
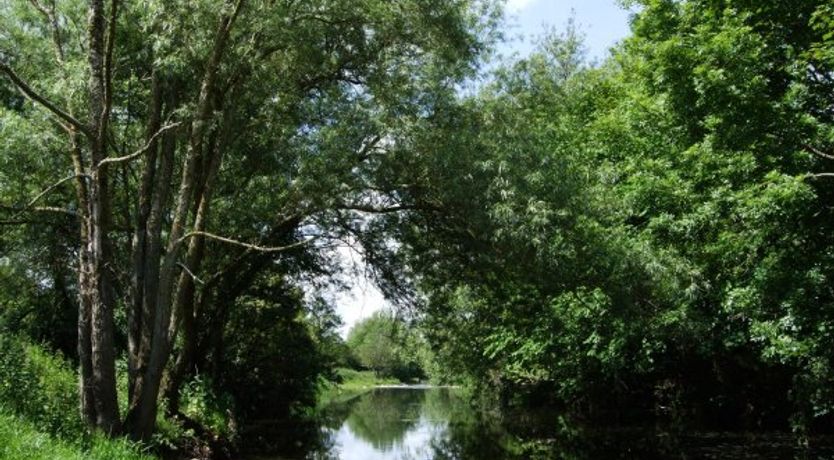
[(603, 22)]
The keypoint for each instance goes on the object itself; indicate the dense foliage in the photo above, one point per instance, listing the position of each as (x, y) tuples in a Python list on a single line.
[(39, 408), (652, 236), (175, 179), (389, 346)]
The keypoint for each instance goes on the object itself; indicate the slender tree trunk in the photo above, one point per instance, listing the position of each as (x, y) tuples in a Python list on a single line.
[(185, 300), (160, 195), (140, 234), (143, 414), (96, 317), (86, 383)]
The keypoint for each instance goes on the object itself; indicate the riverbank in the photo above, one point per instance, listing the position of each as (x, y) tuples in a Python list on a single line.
[(354, 383)]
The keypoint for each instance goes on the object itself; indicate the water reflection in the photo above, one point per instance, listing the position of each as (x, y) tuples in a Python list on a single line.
[(437, 424), (392, 423), (388, 420)]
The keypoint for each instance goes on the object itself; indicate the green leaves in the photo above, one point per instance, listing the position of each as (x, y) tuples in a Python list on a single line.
[(613, 227), (390, 347)]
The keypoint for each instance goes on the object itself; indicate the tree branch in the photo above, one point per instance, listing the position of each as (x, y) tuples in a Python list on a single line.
[(46, 209), (818, 152), (9, 223), (40, 8), (141, 151), (31, 94), (375, 210), (368, 148), (54, 209), (52, 18), (51, 188), (110, 39), (253, 247), (386, 209), (820, 175), (192, 275)]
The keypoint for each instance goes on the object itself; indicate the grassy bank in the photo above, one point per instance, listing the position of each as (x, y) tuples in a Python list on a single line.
[(20, 439), (39, 409), (353, 383)]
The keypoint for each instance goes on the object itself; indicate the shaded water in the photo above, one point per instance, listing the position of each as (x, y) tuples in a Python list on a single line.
[(435, 423)]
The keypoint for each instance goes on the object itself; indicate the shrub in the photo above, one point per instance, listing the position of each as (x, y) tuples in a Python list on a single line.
[(199, 402)]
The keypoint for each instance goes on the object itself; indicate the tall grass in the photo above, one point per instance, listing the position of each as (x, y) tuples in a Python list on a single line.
[(39, 409), (20, 439), (40, 387)]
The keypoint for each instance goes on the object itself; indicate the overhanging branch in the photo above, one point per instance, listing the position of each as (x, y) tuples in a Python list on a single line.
[(385, 209), (820, 175), (191, 274), (43, 209), (51, 188), (818, 152), (242, 244), (141, 151)]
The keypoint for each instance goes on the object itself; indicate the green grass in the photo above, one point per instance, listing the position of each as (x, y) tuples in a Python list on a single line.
[(40, 387), (354, 383), (19, 439), (39, 416)]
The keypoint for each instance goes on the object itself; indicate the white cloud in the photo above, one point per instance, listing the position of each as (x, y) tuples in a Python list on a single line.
[(518, 5)]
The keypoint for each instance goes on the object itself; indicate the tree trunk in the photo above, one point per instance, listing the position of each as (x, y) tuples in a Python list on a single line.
[(136, 340), (185, 301), (143, 415), (95, 289), (161, 194)]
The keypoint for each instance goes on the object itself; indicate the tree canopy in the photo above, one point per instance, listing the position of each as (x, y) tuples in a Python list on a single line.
[(182, 150), (647, 238), (654, 228)]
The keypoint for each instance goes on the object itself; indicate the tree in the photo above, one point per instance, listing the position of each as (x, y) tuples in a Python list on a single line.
[(386, 345), (239, 101), (654, 230)]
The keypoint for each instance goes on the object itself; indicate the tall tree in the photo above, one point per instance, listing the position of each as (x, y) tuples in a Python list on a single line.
[(272, 114)]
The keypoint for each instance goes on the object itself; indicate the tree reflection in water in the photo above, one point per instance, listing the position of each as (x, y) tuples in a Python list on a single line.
[(383, 417), (438, 424), (404, 424)]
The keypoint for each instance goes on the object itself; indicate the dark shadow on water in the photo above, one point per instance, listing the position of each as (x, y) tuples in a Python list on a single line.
[(405, 424)]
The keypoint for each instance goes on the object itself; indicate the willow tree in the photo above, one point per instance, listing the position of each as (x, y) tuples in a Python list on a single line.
[(150, 107), (630, 237)]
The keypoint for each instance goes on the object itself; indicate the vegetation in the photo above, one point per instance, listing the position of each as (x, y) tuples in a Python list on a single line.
[(646, 240), (39, 409), (174, 174), (350, 383), (389, 347), (19, 439)]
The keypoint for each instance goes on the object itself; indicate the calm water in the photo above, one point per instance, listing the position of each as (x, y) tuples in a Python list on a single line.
[(427, 424)]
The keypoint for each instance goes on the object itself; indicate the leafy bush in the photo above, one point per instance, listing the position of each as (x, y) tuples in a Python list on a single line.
[(39, 416), (199, 402), (388, 346), (272, 365)]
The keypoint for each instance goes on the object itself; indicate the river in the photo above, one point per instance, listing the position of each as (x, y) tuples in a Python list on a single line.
[(418, 423)]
